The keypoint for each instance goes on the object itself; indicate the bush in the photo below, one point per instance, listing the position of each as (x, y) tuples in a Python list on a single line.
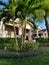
[(29, 46), (9, 44), (19, 41), (11, 47), (7, 40), (1, 46), (36, 46), (16, 47), (42, 40)]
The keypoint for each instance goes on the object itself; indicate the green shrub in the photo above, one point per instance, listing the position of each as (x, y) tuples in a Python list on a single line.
[(1, 46), (42, 40), (10, 44), (11, 47), (16, 47), (29, 46), (36, 46), (9, 40), (19, 41)]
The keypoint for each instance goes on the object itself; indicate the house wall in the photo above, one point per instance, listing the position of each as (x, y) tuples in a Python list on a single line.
[(2, 29), (29, 33), (8, 31), (45, 34)]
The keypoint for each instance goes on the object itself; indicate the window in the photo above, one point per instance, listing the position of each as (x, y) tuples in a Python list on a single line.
[(9, 33), (27, 30), (27, 38), (17, 31)]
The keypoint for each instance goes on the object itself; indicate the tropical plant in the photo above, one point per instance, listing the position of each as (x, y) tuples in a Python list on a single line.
[(22, 9), (6, 12), (43, 13), (27, 7), (45, 7)]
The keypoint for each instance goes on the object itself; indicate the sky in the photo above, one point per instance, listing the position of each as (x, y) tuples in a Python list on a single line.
[(4, 0), (42, 24)]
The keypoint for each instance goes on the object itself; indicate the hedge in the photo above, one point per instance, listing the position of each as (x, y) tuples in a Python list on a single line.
[(9, 40), (42, 40), (9, 43), (7, 54)]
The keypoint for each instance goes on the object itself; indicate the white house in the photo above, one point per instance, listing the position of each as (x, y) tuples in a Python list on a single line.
[(7, 29), (40, 33)]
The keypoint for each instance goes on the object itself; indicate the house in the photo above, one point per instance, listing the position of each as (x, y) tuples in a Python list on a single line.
[(7, 29), (40, 33), (44, 33)]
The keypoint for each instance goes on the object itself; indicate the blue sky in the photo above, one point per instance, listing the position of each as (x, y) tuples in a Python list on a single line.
[(42, 24), (4, 0)]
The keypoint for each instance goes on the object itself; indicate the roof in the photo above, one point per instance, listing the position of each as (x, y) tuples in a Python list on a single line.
[(27, 22), (43, 29), (30, 23), (18, 21)]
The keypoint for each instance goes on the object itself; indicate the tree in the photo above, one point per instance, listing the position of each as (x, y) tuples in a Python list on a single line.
[(27, 7), (22, 9), (45, 7), (9, 12), (43, 13)]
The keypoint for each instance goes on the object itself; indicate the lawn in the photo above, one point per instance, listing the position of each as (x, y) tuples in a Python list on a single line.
[(43, 60)]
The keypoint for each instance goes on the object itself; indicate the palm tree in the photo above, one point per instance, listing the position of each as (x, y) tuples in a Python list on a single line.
[(43, 13), (27, 7), (6, 12), (45, 7), (21, 9)]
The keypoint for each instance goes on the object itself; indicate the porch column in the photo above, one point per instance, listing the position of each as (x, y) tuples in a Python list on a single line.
[(1, 28), (37, 34), (30, 34), (4, 32)]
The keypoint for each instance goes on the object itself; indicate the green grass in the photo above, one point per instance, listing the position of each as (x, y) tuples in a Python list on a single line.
[(43, 60)]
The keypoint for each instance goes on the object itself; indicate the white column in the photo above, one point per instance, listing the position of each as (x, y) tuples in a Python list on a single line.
[(37, 34), (43, 35), (4, 32), (1, 27), (20, 31), (46, 34), (30, 32)]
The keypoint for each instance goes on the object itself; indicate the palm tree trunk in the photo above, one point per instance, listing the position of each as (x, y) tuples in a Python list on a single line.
[(15, 33), (22, 35), (24, 32), (47, 26), (2, 26)]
